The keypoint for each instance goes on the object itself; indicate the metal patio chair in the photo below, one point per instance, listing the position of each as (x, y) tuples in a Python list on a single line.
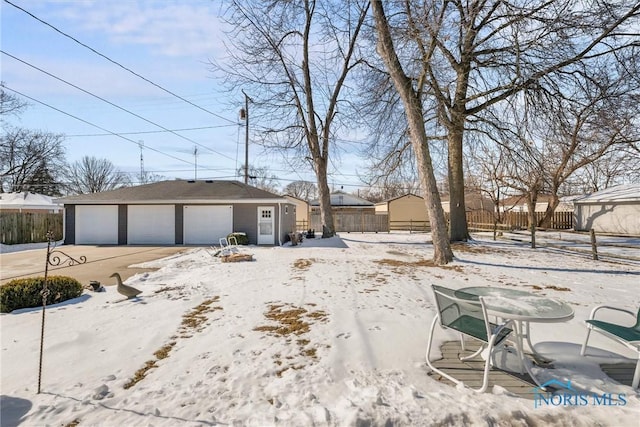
[(626, 335), (467, 314)]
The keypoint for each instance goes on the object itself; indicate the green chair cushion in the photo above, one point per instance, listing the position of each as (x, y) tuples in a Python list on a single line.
[(625, 332), (476, 328)]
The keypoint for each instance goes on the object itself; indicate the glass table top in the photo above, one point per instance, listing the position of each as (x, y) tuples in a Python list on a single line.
[(519, 305)]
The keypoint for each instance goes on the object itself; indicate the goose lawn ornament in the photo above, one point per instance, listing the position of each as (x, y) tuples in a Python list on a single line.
[(126, 290)]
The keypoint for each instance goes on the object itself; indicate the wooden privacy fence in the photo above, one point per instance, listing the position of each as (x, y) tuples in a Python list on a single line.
[(477, 221), (483, 220), (16, 227), (363, 222), (410, 226), (302, 225)]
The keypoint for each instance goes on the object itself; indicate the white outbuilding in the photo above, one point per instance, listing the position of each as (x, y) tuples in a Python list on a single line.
[(26, 202), (615, 210)]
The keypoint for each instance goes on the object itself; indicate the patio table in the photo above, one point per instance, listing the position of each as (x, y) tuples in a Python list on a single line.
[(523, 308)]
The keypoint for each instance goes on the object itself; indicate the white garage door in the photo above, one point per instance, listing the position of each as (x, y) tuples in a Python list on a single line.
[(151, 224), (205, 225), (97, 225)]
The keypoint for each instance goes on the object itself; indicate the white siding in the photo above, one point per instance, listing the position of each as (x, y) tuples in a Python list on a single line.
[(612, 218)]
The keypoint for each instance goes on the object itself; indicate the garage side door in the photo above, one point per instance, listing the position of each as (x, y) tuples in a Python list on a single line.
[(205, 225), (151, 224), (97, 225)]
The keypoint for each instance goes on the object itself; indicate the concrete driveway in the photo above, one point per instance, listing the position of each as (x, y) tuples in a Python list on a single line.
[(102, 261)]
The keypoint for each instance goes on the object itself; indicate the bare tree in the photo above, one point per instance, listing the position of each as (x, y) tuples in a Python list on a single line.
[(10, 104), (621, 166), (487, 166), (595, 117), (147, 177), (294, 57), (93, 175), (413, 110), (261, 177), (389, 190), (304, 190), (24, 154), (522, 157), (471, 55)]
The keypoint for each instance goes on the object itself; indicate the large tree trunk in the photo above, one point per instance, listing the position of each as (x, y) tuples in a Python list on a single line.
[(324, 196), (532, 201), (545, 222), (458, 230), (413, 110)]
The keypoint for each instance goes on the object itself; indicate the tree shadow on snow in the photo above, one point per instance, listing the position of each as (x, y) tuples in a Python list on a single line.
[(13, 409)]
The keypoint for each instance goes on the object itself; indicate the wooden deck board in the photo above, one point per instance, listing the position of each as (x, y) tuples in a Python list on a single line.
[(471, 371), (621, 372)]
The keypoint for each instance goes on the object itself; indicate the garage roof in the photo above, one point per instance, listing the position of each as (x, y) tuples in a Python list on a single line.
[(342, 199), (178, 191), (619, 193)]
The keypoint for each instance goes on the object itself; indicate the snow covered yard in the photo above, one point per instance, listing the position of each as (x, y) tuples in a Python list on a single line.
[(330, 332)]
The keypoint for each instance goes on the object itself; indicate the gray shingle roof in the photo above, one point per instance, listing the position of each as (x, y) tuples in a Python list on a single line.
[(177, 191), (340, 198)]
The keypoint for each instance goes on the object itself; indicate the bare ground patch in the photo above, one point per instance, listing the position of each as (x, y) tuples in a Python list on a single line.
[(303, 264), (290, 322), (552, 287), (475, 248), (405, 267)]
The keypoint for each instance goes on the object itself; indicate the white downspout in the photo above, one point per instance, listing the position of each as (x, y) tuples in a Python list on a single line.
[(280, 224)]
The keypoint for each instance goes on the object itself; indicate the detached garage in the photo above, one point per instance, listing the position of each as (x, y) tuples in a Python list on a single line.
[(178, 212), (615, 210)]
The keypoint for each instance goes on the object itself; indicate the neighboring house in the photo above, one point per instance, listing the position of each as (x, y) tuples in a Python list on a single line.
[(178, 212), (519, 203), (350, 213), (615, 210), (566, 203), (472, 202), (302, 212), (28, 203), (343, 202), (403, 210)]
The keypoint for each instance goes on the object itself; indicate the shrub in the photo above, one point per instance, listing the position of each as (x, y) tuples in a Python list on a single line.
[(240, 237), (25, 293)]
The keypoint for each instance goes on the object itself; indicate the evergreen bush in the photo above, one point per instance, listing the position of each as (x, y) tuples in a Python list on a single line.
[(25, 293), (240, 237)]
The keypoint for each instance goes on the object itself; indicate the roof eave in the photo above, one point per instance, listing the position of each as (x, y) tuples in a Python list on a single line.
[(173, 202)]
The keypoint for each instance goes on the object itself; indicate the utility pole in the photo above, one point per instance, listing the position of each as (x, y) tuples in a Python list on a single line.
[(195, 163), (244, 114), (142, 177)]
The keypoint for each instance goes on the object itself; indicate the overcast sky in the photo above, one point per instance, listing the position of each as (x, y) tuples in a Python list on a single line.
[(168, 42)]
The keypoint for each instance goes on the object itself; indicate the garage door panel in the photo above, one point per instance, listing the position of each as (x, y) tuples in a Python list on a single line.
[(207, 224), (96, 225), (151, 224)]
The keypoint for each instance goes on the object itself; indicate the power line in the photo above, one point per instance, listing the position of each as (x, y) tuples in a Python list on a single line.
[(94, 125), (112, 104), (148, 131), (116, 62)]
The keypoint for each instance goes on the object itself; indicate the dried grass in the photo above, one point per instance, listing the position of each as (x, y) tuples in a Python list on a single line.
[(191, 322), (303, 264), (292, 320)]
